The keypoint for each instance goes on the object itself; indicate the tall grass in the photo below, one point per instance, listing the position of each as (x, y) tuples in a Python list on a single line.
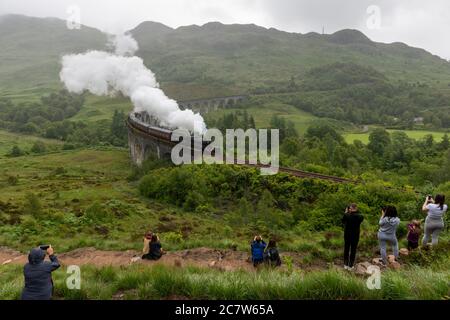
[(161, 282)]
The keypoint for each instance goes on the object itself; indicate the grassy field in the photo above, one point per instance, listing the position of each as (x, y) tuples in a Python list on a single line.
[(88, 200), (414, 134), (25, 142), (162, 282), (264, 112)]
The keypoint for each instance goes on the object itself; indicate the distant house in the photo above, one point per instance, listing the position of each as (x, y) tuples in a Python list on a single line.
[(418, 120)]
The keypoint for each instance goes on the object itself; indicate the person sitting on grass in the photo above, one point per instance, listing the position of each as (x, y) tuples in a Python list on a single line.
[(147, 240), (271, 255), (387, 233), (413, 234), (155, 249), (258, 245), (38, 274), (351, 220)]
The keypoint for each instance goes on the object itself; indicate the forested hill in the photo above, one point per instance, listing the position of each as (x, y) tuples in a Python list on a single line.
[(249, 56), (239, 58)]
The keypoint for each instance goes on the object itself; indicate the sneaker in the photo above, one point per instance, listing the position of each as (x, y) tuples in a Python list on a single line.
[(351, 268), (345, 267)]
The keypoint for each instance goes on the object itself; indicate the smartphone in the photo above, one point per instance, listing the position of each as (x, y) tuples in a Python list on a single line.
[(44, 247)]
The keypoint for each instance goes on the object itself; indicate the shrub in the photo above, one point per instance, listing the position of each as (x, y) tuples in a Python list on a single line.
[(16, 151), (32, 206), (96, 213), (38, 147), (13, 180)]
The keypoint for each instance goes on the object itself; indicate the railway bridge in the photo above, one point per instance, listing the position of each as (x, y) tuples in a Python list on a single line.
[(212, 104), (145, 139)]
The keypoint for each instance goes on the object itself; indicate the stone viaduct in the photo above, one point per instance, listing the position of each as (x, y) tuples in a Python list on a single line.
[(146, 139)]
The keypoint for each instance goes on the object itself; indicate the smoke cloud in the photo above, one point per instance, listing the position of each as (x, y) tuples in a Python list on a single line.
[(124, 44), (103, 73)]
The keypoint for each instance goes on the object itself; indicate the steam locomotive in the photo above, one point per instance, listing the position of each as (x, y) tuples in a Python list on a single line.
[(144, 123)]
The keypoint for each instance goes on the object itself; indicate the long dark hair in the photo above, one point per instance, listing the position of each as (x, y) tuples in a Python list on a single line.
[(390, 212), (272, 244), (440, 199)]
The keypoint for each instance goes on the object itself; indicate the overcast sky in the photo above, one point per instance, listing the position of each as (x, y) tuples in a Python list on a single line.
[(419, 23)]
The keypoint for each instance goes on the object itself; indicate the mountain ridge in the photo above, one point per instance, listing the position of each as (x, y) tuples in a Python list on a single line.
[(242, 56)]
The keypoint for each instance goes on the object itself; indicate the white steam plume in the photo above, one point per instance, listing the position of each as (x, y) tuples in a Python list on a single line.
[(104, 73), (124, 44)]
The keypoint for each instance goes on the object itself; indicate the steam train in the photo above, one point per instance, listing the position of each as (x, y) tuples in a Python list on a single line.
[(146, 124), (142, 122)]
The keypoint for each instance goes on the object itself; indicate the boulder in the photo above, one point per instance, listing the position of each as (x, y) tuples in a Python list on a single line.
[(394, 265), (360, 269), (377, 261)]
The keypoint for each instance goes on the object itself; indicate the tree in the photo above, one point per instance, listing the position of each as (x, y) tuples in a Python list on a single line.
[(379, 139), (322, 131)]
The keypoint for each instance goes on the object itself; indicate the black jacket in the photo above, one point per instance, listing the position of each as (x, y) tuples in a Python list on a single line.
[(352, 222), (38, 276)]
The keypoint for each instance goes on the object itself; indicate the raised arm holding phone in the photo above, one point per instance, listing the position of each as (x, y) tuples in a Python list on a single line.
[(38, 274)]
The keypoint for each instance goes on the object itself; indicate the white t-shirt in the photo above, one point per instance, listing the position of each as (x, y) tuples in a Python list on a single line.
[(435, 212)]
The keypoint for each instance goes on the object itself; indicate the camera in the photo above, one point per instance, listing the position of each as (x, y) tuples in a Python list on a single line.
[(44, 247)]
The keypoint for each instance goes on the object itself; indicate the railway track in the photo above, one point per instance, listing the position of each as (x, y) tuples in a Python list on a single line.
[(153, 132), (164, 135)]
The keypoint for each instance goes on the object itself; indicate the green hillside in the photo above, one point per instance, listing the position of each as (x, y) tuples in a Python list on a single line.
[(31, 49), (248, 56), (194, 61)]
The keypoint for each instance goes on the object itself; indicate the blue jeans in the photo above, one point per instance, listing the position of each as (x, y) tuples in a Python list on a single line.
[(383, 239)]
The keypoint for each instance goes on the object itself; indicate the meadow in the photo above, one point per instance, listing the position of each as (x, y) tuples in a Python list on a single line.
[(162, 282), (23, 141), (413, 134)]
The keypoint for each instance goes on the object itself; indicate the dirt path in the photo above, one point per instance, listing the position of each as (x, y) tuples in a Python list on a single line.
[(201, 257), (225, 260)]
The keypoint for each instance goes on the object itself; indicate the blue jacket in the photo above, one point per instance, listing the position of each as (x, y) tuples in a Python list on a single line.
[(38, 276), (258, 250)]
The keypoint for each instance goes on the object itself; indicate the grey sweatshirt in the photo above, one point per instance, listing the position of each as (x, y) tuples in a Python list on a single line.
[(388, 225)]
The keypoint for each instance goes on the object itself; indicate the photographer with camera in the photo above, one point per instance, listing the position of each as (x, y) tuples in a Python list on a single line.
[(38, 274), (351, 220), (257, 248), (434, 222), (389, 223)]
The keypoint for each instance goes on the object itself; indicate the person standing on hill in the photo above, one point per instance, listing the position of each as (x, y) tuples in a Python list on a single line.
[(434, 223), (389, 223), (351, 220), (413, 234), (258, 245), (38, 274)]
